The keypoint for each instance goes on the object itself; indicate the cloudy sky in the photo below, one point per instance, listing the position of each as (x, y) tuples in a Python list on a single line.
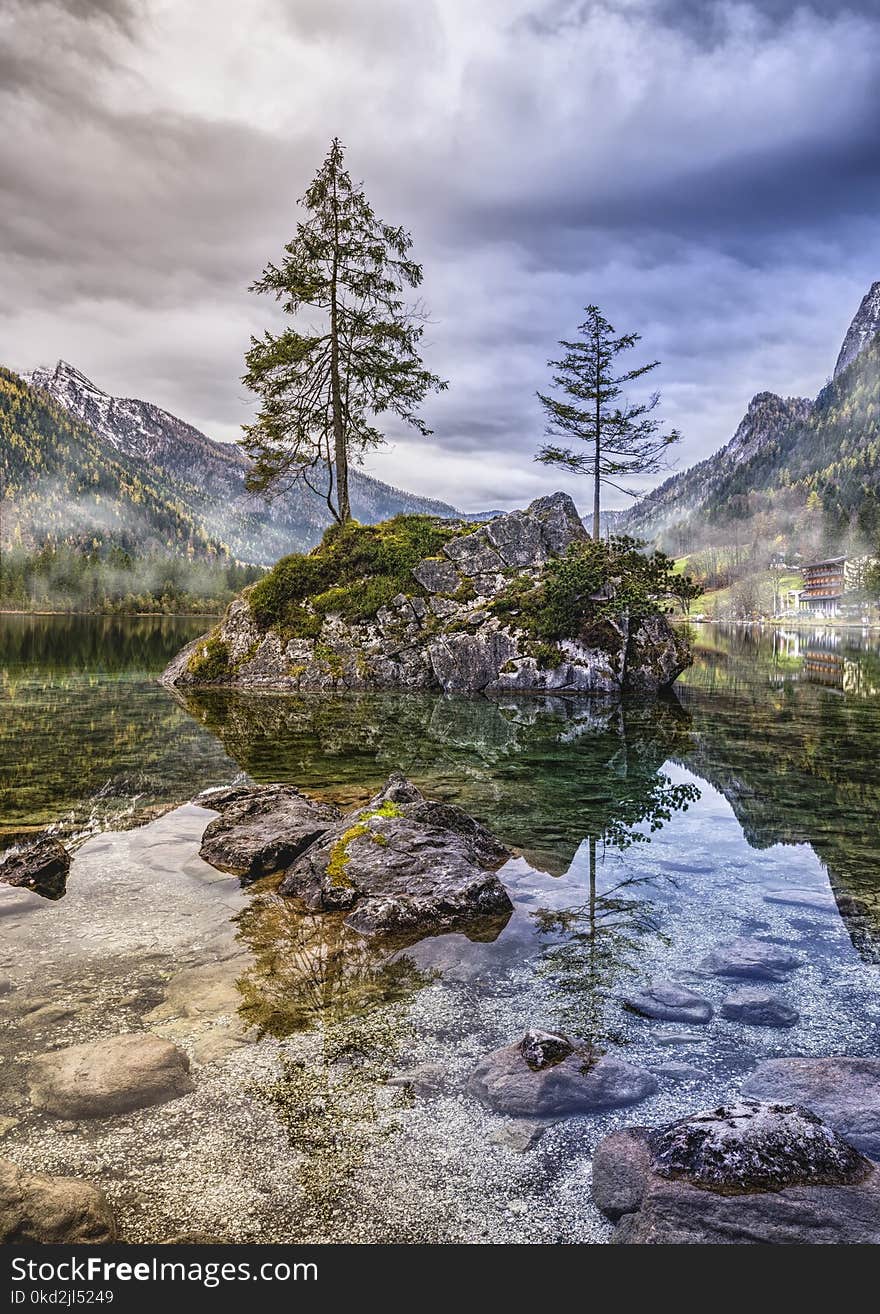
[(708, 173)]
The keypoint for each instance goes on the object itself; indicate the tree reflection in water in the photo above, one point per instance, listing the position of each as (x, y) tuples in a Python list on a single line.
[(591, 945)]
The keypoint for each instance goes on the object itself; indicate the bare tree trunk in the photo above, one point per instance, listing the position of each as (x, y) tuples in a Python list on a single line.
[(340, 452)]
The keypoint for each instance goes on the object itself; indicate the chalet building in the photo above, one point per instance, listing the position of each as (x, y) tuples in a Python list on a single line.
[(826, 582), (824, 586)]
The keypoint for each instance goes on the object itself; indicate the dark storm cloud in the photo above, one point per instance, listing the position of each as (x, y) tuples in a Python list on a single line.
[(708, 173)]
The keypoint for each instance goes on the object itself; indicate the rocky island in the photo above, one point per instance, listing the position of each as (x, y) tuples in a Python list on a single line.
[(524, 602)]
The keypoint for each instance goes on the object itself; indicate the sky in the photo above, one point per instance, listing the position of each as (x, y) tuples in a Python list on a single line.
[(707, 173)]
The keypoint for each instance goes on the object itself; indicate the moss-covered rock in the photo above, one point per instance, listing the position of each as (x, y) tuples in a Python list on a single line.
[(526, 602)]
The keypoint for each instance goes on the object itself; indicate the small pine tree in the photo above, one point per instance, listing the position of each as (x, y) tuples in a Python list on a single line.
[(624, 437), (322, 386)]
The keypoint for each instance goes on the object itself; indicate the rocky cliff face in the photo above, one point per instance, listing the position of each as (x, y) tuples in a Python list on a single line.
[(771, 424), (443, 632), (861, 331)]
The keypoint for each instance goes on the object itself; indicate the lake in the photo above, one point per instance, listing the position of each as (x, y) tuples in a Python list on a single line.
[(331, 1079)]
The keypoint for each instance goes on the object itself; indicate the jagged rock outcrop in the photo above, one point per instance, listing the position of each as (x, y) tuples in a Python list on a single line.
[(404, 866), (863, 329), (746, 1173), (443, 633)]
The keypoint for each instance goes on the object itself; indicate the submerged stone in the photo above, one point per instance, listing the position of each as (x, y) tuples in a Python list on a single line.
[(506, 1083), (759, 1009), (843, 1091), (751, 959), (670, 1003), (40, 1210), (111, 1076)]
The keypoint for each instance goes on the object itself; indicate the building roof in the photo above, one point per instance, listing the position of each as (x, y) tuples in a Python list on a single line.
[(829, 561)]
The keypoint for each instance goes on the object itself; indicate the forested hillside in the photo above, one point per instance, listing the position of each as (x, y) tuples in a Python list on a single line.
[(61, 486)]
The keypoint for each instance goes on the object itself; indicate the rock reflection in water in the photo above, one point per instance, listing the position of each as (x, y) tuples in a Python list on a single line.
[(311, 970)]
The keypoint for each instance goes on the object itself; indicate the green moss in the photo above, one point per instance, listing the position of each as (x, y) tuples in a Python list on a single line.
[(340, 856), (465, 592), (211, 660), (331, 658), (356, 570), (547, 655), (296, 670)]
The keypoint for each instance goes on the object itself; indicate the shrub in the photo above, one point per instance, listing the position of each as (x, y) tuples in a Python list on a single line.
[(356, 570), (594, 583), (211, 660)]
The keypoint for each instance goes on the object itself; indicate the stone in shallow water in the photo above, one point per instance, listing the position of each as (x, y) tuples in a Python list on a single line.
[(506, 1084), (759, 1009), (109, 1076), (518, 1135), (670, 1003), (753, 1146), (405, 867), (843, 1091), (746, 1173), (541, 1049), (751, 959), (41, 866), (51, 1210), (680, 1072), (261, 829)]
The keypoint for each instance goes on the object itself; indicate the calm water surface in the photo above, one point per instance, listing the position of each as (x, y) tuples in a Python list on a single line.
[(645, 835)]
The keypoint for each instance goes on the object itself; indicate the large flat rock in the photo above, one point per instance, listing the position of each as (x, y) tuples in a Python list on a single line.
[(751, 960), (111, 1076), (262, 828)]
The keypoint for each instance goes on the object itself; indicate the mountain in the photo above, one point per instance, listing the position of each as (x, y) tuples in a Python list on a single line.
[(209, 476), (801, 473), (61, 484), (862, 330)]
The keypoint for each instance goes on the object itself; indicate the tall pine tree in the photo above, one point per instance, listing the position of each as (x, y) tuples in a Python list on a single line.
[(622, 437), (321, 385)]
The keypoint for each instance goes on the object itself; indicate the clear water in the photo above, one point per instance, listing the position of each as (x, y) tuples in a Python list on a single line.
[(644, 834)]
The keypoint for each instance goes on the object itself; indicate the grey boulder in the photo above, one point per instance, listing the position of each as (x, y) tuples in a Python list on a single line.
[(261, 829), (756, 960), (759, 1009), (843, 1091), (746, 1173), (405, 867), (41, 866), (506, 1083), (670, 1003), (106, 1077), (40, 1210)]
